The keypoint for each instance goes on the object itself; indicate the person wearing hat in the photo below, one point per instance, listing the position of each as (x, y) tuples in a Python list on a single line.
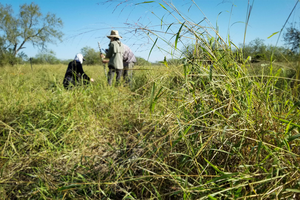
[(75, 74), (115, 54)]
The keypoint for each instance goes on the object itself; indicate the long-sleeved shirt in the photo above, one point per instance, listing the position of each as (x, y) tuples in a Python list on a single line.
[(74, 74), (115, 54), (128, 56)]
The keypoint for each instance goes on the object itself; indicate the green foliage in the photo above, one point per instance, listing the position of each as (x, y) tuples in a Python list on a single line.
[(91, 56), (29, 26), (261, 52), (66, 62), (7, 55), (256, 49), (174, 61), (200, 52), (292, 38), (47, 57), (193, 131), (171, 130), (141, 62)]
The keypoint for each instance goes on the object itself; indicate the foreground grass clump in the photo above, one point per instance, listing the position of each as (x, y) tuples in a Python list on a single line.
[(184, 132)]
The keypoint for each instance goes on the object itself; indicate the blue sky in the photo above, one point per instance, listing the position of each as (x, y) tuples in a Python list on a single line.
[(88, 22)]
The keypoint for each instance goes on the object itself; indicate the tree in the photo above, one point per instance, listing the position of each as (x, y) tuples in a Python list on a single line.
[(7, 56), (257, 46), (29, 27), (91, 56), (47, 57), (258, 49), (141, 61), (292, 38), (201, 51)]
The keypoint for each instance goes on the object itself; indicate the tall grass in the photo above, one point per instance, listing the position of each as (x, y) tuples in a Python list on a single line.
[(192, 131)]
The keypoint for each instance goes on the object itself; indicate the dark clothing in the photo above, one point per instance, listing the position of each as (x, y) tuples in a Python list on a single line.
[(128, 73), (75, 75), (111, 74)]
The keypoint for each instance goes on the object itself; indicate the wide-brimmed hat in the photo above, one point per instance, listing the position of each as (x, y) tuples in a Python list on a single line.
[(114, 34)]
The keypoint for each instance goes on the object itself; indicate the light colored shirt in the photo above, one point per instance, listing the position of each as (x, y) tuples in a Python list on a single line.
[(128, 56), (115, 54)]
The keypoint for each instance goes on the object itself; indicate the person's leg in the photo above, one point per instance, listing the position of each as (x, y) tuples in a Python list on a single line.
[(125, 73), (130, 73), (110, 75), (119, 74)]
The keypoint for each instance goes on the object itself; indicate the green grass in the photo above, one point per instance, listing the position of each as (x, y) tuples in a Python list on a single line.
[(176, 134), (227, 130)]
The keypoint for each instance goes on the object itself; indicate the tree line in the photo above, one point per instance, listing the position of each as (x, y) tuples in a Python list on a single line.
[(30, 26), (92, 57)]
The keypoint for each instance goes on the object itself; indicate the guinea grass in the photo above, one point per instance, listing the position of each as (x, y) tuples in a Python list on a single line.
[(167, 137), (196, 130)]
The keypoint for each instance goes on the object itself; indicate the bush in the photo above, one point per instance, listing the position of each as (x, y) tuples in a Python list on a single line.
[(91, 56)]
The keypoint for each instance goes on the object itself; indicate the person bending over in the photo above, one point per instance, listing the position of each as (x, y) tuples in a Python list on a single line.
[(75, 74), (128, 63)]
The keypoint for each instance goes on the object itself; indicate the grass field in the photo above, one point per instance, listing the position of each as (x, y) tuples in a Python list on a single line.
[(227, 131)]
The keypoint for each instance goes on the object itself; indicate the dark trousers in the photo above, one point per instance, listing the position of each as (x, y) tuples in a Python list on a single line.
[(111, 74), (127, 74)]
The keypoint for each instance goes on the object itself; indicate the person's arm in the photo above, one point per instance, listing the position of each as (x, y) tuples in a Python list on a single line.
[(109, 53), (103, 57), (132, 57), (83, 75), (86, 77)]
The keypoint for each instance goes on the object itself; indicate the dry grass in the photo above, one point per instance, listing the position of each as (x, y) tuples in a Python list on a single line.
[(185, 137)]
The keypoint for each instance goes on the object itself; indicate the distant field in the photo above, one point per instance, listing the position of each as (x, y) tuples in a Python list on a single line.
[(258, 67)]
